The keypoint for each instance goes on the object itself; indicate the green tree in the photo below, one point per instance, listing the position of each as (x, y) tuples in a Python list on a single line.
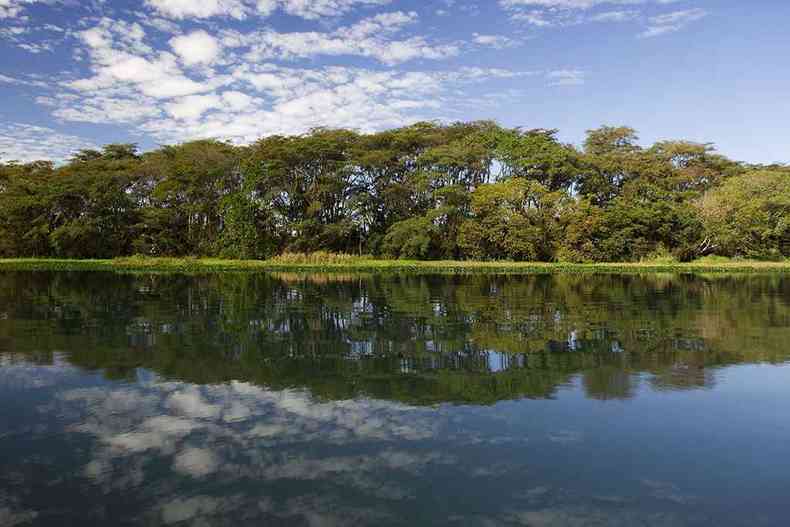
[(749, 215), (24, 229), (516, 219), (179, 193), (611, 159), (538, 155)]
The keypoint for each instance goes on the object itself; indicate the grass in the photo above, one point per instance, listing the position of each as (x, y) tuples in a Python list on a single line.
[(327, 262)]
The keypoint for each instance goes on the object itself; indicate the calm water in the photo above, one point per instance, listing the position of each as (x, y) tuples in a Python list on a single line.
[(279, 399)]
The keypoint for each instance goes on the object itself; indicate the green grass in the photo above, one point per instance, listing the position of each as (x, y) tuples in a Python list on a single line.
[(326, 262)]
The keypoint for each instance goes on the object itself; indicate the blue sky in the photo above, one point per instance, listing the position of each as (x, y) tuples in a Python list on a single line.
[(77, 74)]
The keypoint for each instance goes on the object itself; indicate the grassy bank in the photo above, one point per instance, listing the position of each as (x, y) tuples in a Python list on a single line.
[(334, 263)]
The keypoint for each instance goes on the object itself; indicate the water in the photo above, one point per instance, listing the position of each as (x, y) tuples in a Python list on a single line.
[(243, 399)]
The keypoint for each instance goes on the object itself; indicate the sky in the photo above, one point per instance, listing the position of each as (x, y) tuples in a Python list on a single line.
[(83, 73)]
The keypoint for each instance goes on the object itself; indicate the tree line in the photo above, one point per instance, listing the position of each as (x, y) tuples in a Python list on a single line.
[(427, 191)]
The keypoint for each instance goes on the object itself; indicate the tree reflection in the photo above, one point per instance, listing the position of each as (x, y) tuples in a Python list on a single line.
[(416, 339)]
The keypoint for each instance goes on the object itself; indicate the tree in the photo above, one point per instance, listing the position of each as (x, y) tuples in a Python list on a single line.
[(516, 219), (23, 208), (311, 186), (611, 159), (90, 211), (538, 155), (749, 215), (412, 238), (179, 193), (644, 220), (685, 166)]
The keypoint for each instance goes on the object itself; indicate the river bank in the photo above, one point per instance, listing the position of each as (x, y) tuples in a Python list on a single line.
[(362, 264)]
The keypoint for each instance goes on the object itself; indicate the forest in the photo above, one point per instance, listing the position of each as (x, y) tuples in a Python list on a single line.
[(461, 191)]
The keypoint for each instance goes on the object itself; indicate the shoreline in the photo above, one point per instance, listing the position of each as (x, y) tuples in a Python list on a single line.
[(212, 265)]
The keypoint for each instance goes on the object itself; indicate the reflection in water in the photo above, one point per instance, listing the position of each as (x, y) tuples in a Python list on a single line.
[(416, 339), (241, 399)]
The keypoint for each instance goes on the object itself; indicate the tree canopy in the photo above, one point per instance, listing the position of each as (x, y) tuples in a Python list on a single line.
[(472, 190)]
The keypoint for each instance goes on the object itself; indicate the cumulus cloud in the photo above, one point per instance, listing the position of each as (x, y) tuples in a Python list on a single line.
[(197, 47), (240, 84), (267, 99), (181, 9), (121, 60), (224, 85)]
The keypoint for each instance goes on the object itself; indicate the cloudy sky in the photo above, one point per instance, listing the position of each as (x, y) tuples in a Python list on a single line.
[(80, 73)]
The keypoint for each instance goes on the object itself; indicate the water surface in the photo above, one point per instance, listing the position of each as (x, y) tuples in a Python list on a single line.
[(278, 399)]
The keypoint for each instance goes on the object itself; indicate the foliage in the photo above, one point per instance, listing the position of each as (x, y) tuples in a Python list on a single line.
[(428, 191), (412, 238), (516, 219), (749, 215)]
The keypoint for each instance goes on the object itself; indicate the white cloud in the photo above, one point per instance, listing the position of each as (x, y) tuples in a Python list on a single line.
[(161, 24), (615, 16), (7, 79), (315, 9), (102, 109), (672, 22), (121, 59), (565, 78), (12, 8), (292, 101), (564, 4), (36, 48), (21, 33), (225, 84), (180, 9), (241, 9), (10, 80), (371, 37), (25, 142), (494, 41), (534, 18), (197, 47), (193, 106), (562, 13), (269, 99), (678, 17), (133, 83), (237, 100)]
